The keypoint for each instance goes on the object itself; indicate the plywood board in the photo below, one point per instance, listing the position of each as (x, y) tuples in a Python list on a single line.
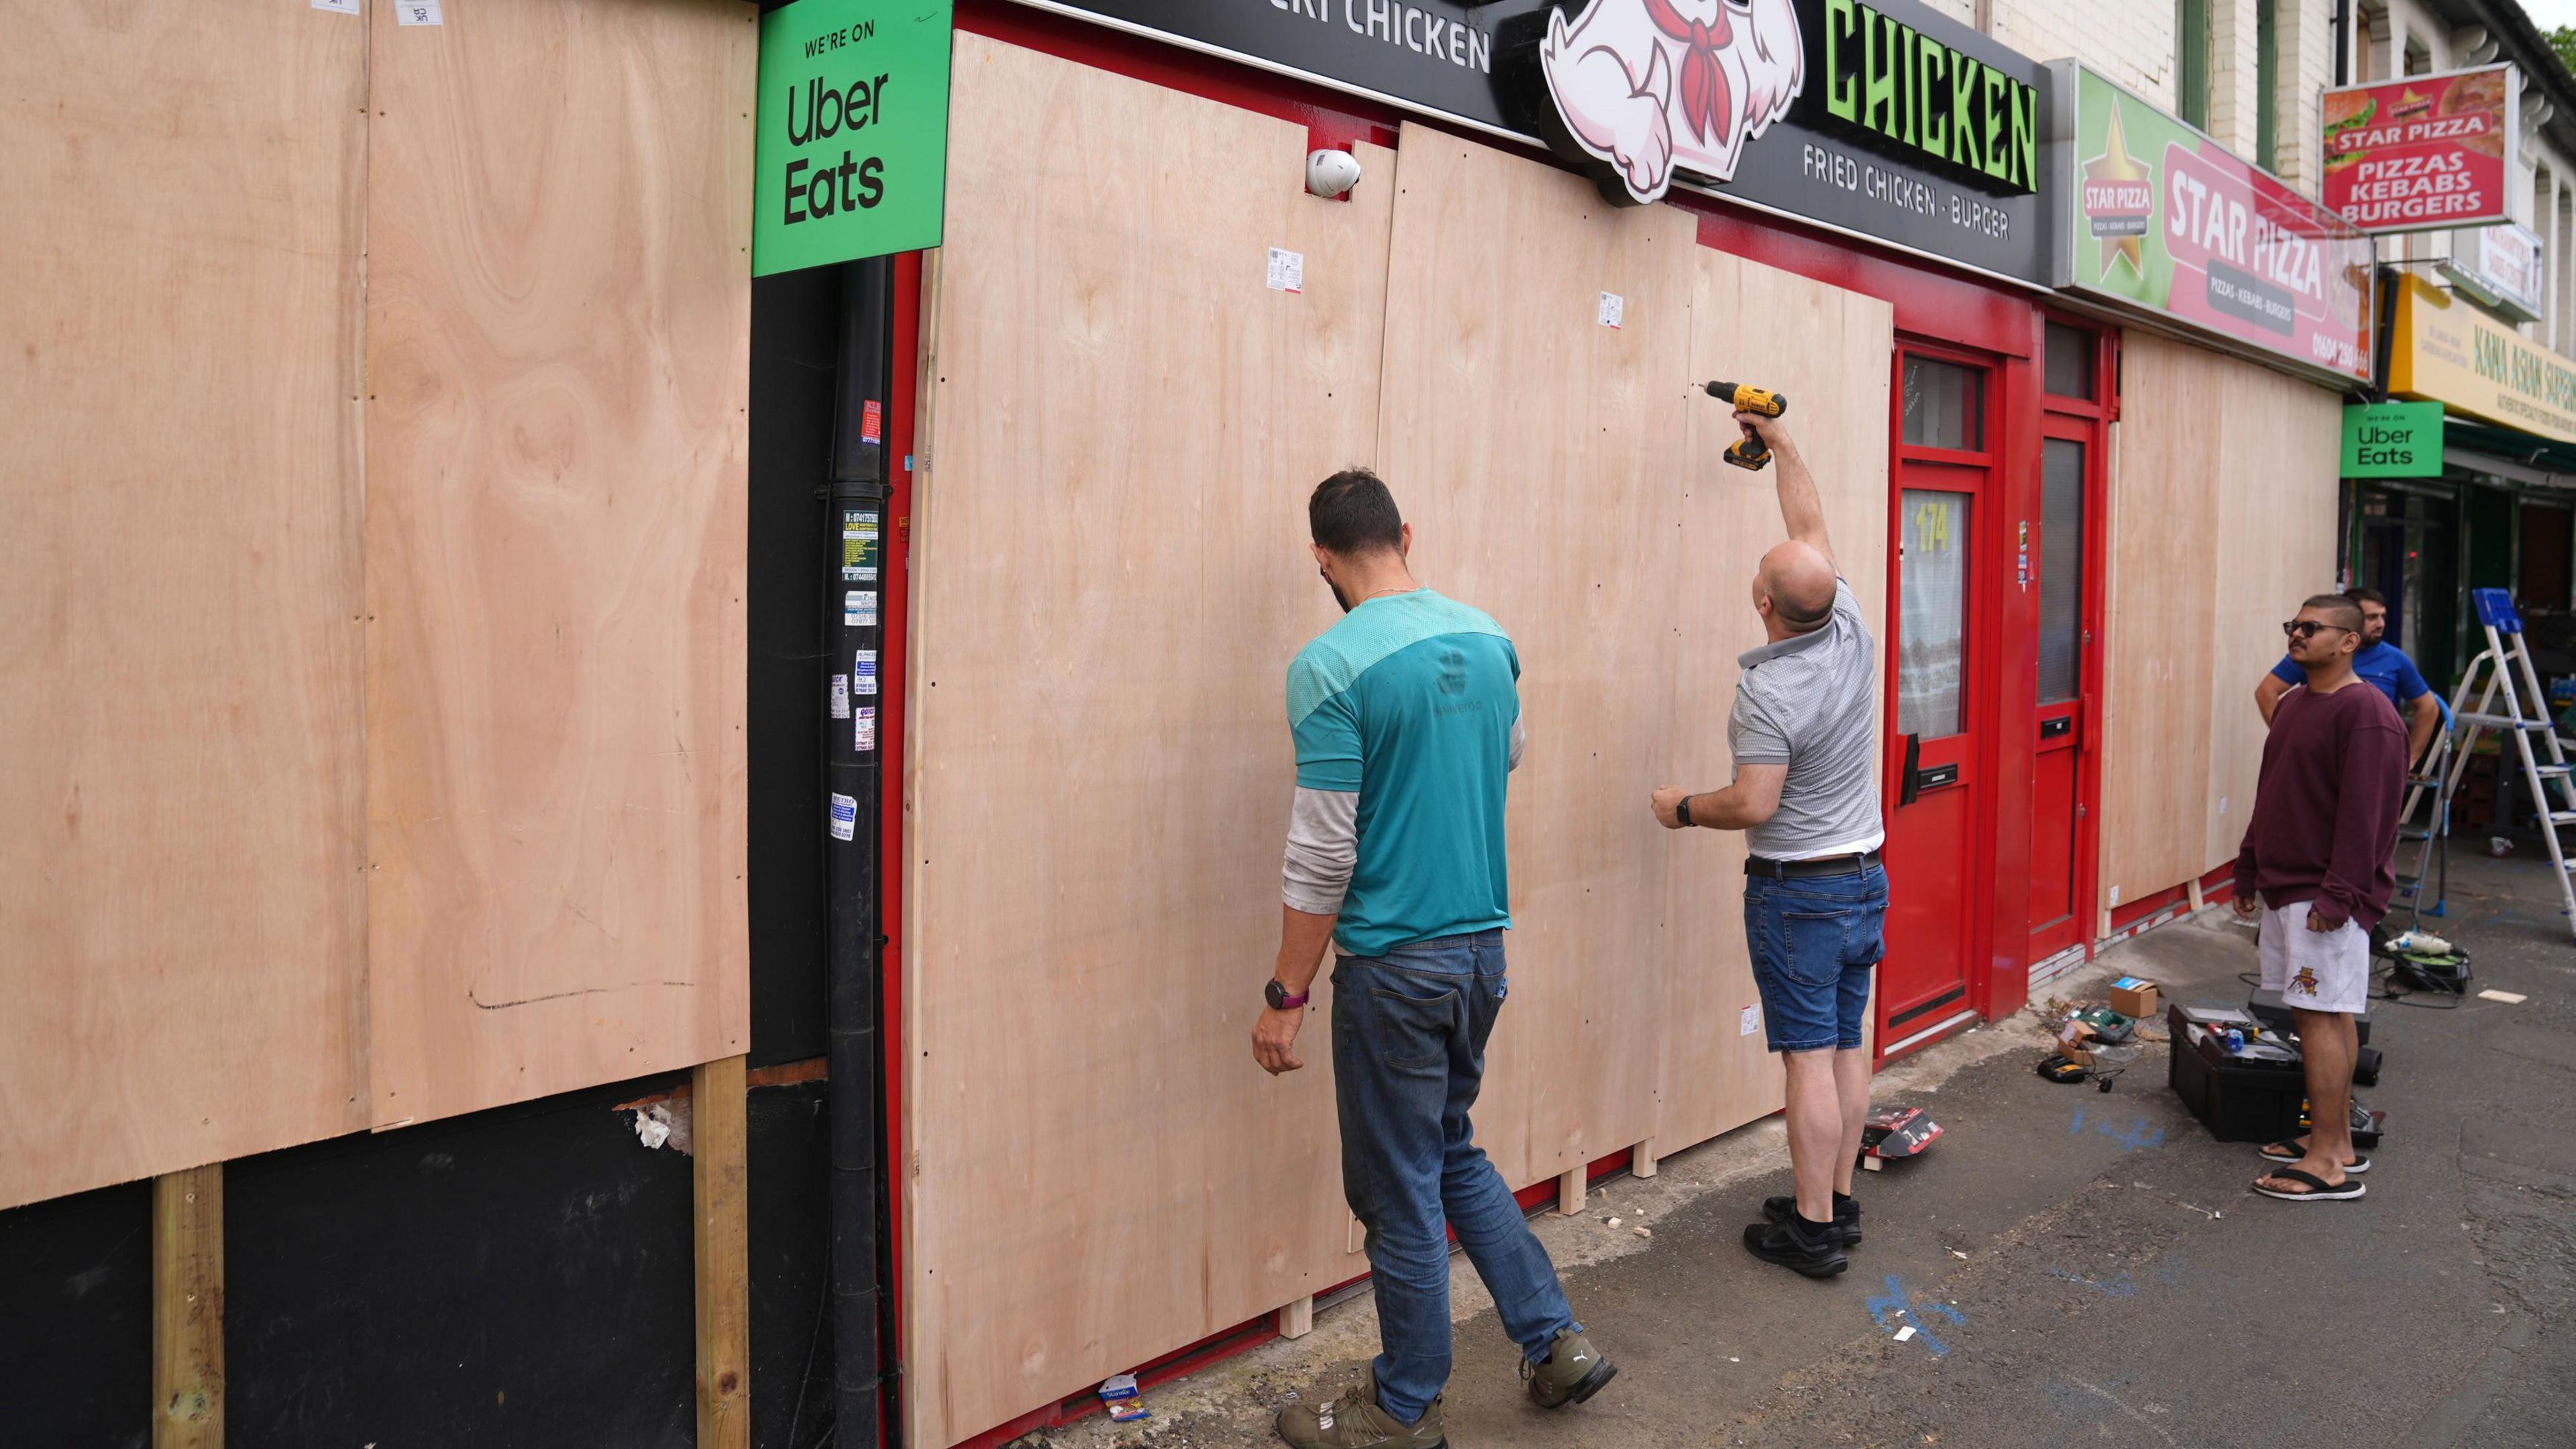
[(2159, 618), (1832, 352), (181, 905), (1110, 578), (1538, 454), (558, 323), (2280, 440)]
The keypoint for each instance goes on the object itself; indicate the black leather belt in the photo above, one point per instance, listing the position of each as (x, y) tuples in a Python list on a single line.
[(1803, 869)]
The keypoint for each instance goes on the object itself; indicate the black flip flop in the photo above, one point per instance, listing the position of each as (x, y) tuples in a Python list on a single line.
[(2285, 1152), (2319, 1190)]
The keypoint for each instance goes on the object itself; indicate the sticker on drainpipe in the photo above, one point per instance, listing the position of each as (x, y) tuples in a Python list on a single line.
[(845, 817)]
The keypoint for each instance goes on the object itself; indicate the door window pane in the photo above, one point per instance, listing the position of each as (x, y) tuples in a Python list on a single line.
[(2069, 361), (1932, 660), (1944, 405), (2061, 570)]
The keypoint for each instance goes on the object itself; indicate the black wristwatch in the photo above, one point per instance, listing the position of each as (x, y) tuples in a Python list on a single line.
[(1681, 813), (1278, 997)]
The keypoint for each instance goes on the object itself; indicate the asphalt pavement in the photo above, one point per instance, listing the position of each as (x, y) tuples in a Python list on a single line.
[(2068, 1266)]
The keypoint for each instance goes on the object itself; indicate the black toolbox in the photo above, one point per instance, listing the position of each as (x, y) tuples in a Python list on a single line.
[(2239, 1099)]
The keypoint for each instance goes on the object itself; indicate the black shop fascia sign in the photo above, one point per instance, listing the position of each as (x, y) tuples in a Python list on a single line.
[(1880, 118)]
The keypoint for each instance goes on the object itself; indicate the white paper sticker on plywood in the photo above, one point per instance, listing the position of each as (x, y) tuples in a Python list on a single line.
[(1751, 1021), (1614, 309), (337, 7), (1287, 270), (418, 12)]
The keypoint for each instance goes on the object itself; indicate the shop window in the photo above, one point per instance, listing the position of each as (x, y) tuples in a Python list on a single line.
[(2068, 361), (2061, 570), (1932, 662), (2191, 61), (1945, 405)]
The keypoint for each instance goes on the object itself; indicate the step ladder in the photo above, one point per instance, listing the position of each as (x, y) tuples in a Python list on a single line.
[(2429, 838), (2506, 668)]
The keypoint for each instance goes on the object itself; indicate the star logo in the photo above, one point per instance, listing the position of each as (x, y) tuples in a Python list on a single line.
[(2119, 196)]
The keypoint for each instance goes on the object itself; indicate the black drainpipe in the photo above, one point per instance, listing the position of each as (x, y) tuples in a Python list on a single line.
[(853, 610)]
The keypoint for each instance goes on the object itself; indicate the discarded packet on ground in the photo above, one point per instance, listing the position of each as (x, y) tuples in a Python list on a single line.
[(1118, 1393)]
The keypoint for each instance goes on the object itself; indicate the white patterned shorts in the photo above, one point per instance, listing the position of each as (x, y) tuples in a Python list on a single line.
[(2315, 970)]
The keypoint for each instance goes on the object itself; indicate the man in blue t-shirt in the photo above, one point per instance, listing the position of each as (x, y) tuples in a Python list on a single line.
[(1407, 721), (2379, 663)]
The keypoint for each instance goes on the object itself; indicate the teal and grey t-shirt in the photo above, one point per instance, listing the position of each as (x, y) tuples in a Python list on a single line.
[(1406, 717)]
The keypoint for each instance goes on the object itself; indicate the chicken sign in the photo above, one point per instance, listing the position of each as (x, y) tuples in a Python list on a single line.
[(1652, 85)]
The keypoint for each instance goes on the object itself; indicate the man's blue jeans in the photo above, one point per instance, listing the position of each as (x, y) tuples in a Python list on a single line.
[(1409, 1032)]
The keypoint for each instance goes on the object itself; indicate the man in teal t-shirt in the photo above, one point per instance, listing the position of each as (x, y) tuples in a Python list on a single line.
[(1407, 721)]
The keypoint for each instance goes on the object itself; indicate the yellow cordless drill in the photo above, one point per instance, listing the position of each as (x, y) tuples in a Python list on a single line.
[(1752, 453)]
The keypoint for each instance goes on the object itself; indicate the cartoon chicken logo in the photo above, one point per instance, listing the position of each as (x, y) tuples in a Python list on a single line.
[(1656, 86)]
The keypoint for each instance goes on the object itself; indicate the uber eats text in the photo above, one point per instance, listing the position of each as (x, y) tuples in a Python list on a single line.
[(816, 112)]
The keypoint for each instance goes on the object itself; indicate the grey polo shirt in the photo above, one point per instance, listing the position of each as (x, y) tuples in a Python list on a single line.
[(1810, 702)]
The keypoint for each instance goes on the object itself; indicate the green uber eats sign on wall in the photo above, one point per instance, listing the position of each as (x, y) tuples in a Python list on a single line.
[(852, 148), (2393, 440)]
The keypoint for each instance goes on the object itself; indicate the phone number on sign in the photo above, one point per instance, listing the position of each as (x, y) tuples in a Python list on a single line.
[(2336, 352)]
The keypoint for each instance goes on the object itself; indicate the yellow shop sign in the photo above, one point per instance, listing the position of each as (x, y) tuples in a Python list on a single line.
[(2449, 352)]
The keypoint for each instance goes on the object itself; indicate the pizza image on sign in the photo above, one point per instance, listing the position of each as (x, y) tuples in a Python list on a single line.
[(2424, 152)]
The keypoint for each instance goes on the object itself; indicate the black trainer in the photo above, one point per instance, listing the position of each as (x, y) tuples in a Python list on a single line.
[(1846, 1215), (1815, 1249)]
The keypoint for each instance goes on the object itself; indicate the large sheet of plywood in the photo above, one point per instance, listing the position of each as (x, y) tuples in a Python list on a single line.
[(558, 321), (1831, 352), (181, 908), (2158, 618), (1111, 576), (1539, 456), (2280, 446)]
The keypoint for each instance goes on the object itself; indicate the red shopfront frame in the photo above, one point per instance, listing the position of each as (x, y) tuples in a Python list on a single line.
[(1999, 322)]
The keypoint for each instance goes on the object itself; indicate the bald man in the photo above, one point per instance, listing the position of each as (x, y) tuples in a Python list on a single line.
[(1815, 899)]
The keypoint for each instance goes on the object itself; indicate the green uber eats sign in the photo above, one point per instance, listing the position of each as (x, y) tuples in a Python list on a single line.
[(2393, 440), (853, 140)]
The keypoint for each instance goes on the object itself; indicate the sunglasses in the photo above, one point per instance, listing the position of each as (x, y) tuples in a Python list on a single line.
[(2307, 628)]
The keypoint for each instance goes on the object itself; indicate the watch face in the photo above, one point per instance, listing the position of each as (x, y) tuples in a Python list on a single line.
[(1276, 994)]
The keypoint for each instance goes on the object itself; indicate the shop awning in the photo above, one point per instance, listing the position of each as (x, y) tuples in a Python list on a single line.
[(2523, 457)]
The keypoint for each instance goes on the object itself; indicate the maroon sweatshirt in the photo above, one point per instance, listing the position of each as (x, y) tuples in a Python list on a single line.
[(2325, 816)]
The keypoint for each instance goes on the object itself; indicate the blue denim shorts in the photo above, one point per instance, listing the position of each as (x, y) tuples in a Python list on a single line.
[(1814, 941)]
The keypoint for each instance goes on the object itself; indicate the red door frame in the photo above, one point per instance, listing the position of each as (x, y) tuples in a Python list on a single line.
[(1998, 320), (2087, 421), (1979, 473)]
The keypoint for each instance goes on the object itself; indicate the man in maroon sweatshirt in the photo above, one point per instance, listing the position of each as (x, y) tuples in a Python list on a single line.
[(2318, 853)]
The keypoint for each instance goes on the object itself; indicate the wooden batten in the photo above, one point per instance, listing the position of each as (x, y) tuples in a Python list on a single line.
[(188, 1309), (720, 1146)]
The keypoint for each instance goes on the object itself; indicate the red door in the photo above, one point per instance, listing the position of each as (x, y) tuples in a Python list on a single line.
[(2063, 558), (2064, 725), (1940, 573)]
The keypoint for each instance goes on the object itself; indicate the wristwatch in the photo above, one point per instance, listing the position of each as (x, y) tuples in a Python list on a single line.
[(1681, 812), (1278, 997)]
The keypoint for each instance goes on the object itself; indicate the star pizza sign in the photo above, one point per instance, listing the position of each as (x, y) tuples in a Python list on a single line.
[(2119, 202)]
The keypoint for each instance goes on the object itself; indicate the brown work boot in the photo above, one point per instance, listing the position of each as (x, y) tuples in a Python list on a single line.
[(1354, 1421), (1574, 1372)]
